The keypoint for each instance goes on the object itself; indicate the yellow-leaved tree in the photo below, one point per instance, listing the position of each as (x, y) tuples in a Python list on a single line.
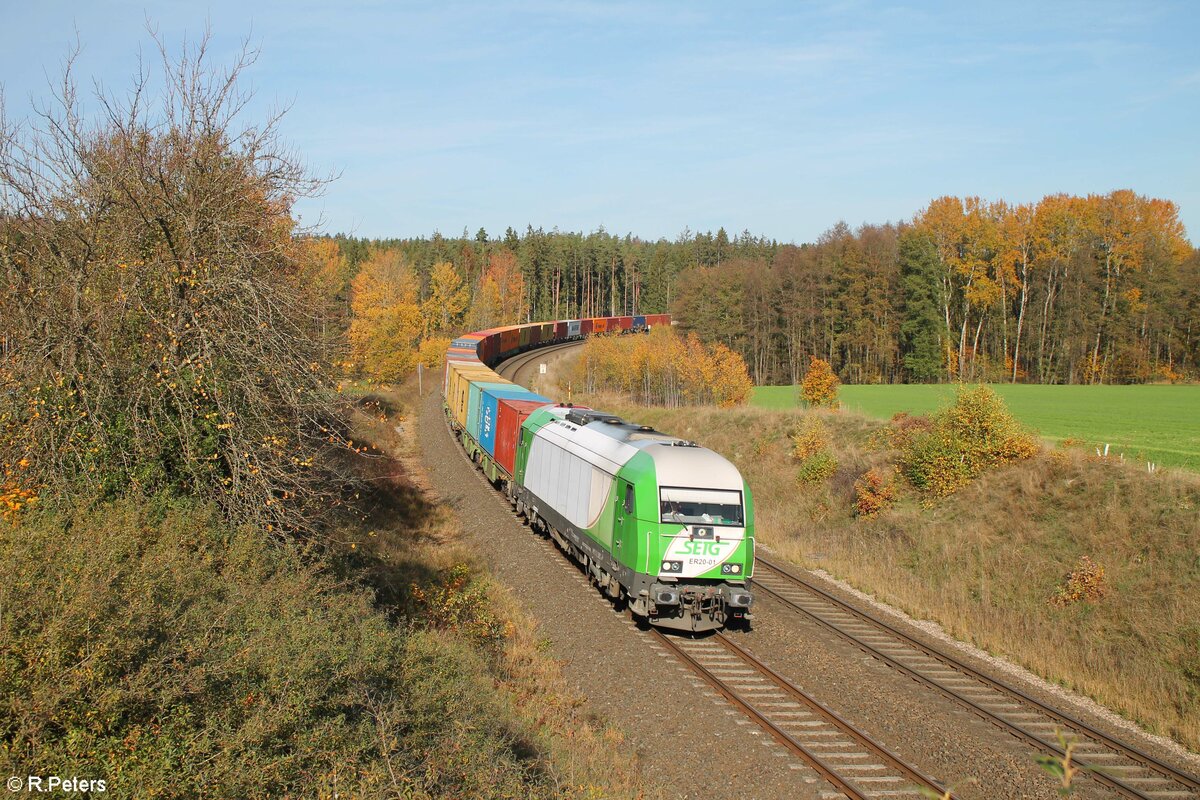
[(663, 368), (386, 327), (446, 305)]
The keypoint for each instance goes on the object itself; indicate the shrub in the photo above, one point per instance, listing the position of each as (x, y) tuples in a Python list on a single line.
[(810, 438), (820, 385), (874, 492), (904, 427), (810, 447), (1084, 583), (974, 434), (458, 602), (818, 467), (178, 656)]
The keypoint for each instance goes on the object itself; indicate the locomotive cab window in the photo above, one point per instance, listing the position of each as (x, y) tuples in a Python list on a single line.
[(628, 499), (701, 506)]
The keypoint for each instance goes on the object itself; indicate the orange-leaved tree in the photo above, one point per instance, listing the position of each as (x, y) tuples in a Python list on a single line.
[(661, 368), (820, 384), (501, 296)]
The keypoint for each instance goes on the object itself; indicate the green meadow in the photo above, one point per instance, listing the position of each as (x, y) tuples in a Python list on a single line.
[(1145, 423)]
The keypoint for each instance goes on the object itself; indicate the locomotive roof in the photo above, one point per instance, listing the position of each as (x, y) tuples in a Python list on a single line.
[(677, 461), (614, 427)]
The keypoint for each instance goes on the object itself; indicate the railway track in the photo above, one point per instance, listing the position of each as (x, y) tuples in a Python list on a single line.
[(850, 760), (1120, 766), (511, 368)]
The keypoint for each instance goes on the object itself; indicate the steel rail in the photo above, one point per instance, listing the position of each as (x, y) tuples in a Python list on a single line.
[(1100, 772), (513, 364), (844, 783)]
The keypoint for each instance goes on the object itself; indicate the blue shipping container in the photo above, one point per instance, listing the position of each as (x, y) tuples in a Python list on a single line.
[(473, 391), (639, 323), (489, 409)]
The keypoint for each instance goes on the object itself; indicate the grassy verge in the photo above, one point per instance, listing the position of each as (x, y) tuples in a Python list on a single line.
[(986, 561), (1145, 423)]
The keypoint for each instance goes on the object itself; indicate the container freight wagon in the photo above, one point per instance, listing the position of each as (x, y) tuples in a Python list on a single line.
[(480, 435)]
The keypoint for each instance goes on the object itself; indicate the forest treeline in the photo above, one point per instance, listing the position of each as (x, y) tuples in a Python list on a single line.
[(1102, 288)]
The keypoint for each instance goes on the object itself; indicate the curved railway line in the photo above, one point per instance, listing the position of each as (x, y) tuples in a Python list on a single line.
[(855, 764), (511, 368), (1120, 766)]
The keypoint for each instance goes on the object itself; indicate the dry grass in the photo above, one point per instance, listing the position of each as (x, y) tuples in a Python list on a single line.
[(985, 562), (587, 757)]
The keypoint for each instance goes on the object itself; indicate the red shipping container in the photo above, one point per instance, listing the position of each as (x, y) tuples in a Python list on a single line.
[(510, 340), (625, 323), (585, 327), (488, 348), (535, 335), (509, 416), (560, 330)]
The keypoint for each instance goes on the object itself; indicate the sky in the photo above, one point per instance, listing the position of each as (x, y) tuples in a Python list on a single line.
[(655, 118)]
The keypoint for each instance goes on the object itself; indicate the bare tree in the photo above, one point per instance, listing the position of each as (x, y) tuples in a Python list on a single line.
[(159, 335)]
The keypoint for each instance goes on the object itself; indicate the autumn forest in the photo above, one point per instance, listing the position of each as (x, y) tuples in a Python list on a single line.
[(1096, 289)]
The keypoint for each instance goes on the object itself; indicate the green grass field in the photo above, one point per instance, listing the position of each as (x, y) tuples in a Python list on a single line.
[(1146, 423)]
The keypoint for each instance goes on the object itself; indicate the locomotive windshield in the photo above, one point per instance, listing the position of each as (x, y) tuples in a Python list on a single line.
[(701, 506)]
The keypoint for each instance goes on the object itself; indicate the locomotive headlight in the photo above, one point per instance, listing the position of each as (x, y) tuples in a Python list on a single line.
[(731, 569), (672, 566)]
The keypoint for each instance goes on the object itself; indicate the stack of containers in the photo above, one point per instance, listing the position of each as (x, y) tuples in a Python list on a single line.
[(463, 350), (498, 402), (458, 386)]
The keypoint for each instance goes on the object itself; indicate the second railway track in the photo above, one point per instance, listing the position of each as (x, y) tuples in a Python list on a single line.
[(853, 762), (1118, 765), (511, 368)]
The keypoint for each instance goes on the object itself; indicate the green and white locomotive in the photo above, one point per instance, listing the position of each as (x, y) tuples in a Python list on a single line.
[(658, 521)]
